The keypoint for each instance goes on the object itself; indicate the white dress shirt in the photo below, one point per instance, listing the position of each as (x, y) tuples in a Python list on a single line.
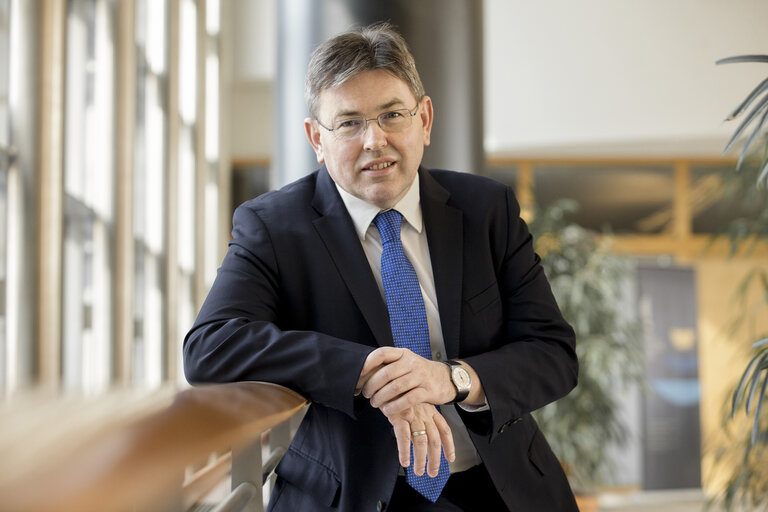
[(414, 240)]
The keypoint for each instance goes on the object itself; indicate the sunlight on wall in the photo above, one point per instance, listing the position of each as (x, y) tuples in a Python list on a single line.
[(723, 351)]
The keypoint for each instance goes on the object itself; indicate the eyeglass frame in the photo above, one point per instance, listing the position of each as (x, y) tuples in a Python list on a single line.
[(411, 114)]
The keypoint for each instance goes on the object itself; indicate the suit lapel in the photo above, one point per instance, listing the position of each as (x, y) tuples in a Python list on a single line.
[(446, 240), (338, 233)]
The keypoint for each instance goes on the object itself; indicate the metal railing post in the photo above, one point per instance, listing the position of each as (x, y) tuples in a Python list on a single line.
[(247, 468)]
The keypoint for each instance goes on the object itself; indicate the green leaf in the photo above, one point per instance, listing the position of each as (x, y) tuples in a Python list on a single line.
[(751, 138), (746, 122), (756, 423), (738, 392), (750, 98), (755, 380), (743, 58), (763, 174)]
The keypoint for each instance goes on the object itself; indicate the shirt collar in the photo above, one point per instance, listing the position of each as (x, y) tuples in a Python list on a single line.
[(363, 213)]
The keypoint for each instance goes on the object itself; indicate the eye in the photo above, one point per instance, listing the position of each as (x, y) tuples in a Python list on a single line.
[(348, 124), (395, 114)]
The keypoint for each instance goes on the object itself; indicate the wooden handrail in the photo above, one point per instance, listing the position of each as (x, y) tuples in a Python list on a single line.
[(119, 452)]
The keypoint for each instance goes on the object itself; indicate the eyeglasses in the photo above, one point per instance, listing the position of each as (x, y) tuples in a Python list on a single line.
[(392, 121)]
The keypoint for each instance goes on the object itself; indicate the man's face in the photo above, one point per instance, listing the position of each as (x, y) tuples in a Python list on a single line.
[(376, 166)]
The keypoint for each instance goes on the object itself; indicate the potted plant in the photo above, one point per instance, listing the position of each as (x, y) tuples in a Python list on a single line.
[(747, 486), (586, 279), (745, 450)]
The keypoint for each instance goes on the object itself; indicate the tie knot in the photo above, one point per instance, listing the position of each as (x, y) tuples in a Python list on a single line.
[(389, 223)]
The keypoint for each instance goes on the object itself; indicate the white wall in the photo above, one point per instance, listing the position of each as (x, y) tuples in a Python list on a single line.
[(249, 32), (594, 77), (611, 76)]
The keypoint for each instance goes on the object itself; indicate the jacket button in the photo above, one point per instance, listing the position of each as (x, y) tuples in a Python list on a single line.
[(380, 506)]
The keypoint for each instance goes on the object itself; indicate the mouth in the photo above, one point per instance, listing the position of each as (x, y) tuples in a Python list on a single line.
[(378, 166)]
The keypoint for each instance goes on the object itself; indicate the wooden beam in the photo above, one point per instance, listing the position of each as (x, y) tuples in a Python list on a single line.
[(682, 219), (580, 161), (256, 161), (51, 190), (124, 242), (692, 248), (524, 190)]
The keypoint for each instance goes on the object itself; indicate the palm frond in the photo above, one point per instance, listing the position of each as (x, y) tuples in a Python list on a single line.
[(743, 58), (752, 137), (758, 108), (756, 423), (746, 122), (762, 86), (756, 374), (738, 393)]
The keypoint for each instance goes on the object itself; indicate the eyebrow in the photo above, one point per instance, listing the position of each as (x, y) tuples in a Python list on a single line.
[(380, 108)]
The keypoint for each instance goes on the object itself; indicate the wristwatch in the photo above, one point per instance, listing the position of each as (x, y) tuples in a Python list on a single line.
[(461, 380)]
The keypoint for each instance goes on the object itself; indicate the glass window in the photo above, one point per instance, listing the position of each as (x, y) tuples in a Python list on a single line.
[(211, 136), (150, 212), (187, 199), (622, 199), (719, 196), (89, 171)]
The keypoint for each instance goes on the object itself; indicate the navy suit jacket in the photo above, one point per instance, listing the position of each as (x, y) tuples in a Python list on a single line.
[(295, 303)]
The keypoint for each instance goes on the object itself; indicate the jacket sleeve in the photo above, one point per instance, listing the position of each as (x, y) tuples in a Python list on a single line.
[(236, 337), (534, 360)]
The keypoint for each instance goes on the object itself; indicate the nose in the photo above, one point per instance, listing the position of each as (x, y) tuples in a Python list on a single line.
[(374, 137)]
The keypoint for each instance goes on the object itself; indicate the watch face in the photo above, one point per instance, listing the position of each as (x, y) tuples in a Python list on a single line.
[(461, 378)]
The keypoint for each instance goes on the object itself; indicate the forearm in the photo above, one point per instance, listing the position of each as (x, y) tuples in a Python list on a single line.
[(320, 367)]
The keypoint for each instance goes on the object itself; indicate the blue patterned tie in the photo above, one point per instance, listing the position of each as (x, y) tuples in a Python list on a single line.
[(408, 320)]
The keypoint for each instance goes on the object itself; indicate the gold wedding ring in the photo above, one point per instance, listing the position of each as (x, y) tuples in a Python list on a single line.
[(417, 433)]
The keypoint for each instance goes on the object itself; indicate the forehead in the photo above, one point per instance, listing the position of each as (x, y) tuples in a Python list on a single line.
[(365, 93)]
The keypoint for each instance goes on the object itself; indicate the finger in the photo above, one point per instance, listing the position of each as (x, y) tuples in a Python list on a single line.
[(446, 437), (381, 378), (379, 357), (434, 448), (394, 389), (410, 399), (419, 450), (403, 436)]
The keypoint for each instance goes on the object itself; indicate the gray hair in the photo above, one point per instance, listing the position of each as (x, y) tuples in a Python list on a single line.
[(346, 55)]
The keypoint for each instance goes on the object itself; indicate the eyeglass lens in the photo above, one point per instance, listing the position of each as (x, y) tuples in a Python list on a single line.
[(391, 121)]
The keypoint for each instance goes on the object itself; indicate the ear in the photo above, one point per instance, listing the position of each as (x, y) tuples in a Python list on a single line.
[(313, 135), (426, 116)]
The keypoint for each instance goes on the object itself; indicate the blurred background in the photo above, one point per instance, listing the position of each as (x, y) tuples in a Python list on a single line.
[(129, 131)]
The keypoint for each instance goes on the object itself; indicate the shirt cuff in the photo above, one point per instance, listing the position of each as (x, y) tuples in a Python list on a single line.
[(475, 408)]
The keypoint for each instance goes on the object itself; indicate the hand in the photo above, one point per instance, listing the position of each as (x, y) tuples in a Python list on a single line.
[(426, 448), (396, 379)]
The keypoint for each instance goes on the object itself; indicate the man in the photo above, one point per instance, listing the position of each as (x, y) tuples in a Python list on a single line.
[(334, 284)]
